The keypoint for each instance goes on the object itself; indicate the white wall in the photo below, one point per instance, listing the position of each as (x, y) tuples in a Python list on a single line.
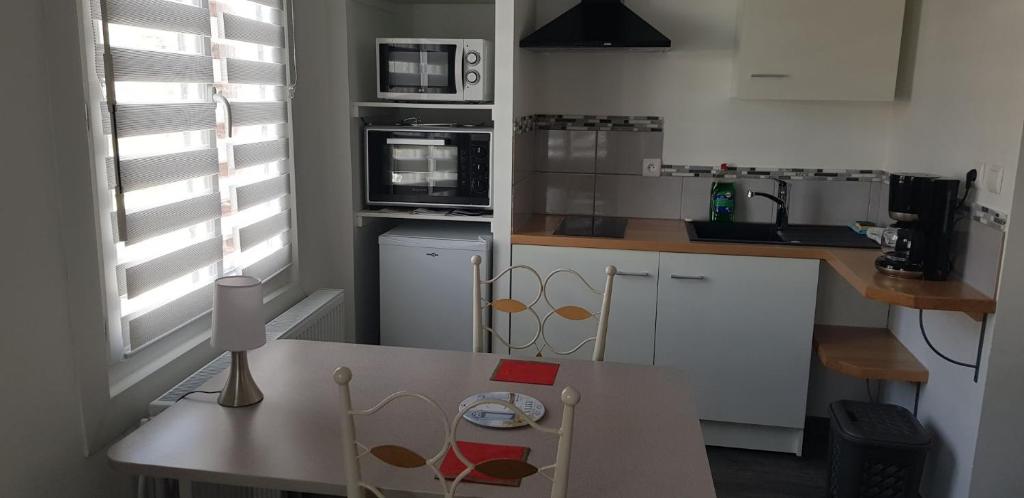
[(997, 462), (965, 90), (40, 423), (452, 20), (323, 175), (965, 81), (692, 87)]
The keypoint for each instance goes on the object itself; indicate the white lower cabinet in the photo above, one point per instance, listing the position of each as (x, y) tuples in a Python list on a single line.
[(741, 328), (634, 300)]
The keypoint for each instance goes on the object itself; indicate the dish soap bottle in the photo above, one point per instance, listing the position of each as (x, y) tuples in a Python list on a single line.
[(723, 201)]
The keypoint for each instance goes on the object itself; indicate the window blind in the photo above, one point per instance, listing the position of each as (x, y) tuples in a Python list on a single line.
[(198, 152)]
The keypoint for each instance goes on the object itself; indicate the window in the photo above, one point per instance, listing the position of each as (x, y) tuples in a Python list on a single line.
[(198, 156)]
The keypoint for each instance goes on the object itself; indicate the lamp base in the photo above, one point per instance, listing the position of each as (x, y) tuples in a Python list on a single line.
[(240, 389)]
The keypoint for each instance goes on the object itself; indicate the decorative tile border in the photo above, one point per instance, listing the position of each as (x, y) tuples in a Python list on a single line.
[(988, 216), (524, 124), (586, 122), (845, 175)]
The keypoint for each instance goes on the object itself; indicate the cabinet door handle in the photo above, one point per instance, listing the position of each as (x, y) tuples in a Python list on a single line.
[(769, 75), (688, 277), (632, 274)]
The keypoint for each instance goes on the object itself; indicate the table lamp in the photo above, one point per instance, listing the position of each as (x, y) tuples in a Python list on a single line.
[(238, 327)]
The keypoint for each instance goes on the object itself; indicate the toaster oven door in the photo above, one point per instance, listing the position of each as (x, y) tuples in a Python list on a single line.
[(420, 70), (428, 169)]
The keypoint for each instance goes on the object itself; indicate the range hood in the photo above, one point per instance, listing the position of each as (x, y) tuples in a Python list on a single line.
[(597, 24)]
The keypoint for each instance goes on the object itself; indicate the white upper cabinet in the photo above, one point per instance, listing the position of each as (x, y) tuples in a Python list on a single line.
[(819, 49)]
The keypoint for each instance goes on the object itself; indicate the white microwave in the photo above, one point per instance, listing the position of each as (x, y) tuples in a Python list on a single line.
[(435, 69)]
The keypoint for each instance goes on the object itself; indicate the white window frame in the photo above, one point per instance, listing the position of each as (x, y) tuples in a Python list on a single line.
[(126, 370), (114, 393)]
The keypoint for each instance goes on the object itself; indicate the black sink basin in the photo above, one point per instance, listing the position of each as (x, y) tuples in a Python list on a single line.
[(766, 233), (733, 232)]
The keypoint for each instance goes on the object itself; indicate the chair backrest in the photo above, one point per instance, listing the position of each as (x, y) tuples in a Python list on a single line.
[(401, 457), (514, 306)]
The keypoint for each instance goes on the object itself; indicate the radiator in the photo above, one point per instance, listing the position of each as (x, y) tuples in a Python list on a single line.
[(319, 317)]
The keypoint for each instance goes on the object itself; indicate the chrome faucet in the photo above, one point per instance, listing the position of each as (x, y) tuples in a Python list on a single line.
[(781, 201)]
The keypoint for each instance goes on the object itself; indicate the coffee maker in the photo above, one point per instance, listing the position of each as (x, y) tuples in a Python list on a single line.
[(919, 244)]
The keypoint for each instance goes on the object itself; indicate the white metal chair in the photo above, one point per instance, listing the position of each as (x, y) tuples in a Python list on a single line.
[(513, 306), (405, 458)]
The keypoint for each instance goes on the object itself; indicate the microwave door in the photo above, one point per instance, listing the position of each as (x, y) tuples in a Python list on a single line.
[(420, 71), (423, 168)]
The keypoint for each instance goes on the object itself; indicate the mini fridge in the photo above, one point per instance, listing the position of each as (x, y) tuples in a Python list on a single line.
[(426, 283)]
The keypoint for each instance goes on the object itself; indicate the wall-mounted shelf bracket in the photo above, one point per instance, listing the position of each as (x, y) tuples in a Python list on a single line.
[(976, 366)]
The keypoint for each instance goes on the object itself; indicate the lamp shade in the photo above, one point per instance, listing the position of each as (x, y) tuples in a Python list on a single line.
[(238, 314)]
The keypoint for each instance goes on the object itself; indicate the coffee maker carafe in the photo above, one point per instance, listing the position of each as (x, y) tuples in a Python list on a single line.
[(919, 244)]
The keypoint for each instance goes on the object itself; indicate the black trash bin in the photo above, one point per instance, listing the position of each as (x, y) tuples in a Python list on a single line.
[(876, 450)]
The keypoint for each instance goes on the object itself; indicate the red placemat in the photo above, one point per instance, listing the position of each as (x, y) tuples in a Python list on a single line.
[(451, 467), (525, 372)]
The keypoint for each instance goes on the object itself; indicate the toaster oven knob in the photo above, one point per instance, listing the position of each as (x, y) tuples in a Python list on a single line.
[(472, 77), (472, 58)]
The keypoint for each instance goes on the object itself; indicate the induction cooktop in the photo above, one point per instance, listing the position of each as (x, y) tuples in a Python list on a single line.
[(593, 226)]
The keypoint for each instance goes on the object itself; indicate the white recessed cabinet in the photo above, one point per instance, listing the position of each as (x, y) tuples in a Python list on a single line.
[(837, 50)]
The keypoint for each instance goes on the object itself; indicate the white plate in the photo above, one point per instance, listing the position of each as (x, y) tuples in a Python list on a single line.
[(498, 416)]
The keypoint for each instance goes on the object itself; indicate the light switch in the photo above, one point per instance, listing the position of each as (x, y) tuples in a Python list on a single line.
[(652, 167), (993, 178)]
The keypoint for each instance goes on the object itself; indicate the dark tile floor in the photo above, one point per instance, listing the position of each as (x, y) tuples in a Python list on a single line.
[(761, 474)]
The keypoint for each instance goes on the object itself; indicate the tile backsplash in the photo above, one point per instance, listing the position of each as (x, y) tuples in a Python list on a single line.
[(623, 152), (588, 164), (564, 151), (588, 122), (729, 171), (635, 196), (599, 171), (697, 196), (563, 193)]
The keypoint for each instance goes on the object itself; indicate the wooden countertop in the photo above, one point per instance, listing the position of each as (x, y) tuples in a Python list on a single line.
[(867, 353), (857, 266)]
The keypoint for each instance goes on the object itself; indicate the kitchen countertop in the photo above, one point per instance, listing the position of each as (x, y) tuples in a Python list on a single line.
[(857, 266)]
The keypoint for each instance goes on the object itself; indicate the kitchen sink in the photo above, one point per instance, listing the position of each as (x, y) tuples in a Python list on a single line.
[(767, 233)]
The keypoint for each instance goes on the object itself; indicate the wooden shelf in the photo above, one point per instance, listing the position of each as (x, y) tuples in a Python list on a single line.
[(867, 353), (409, 215), (858, 268), (359, 108)]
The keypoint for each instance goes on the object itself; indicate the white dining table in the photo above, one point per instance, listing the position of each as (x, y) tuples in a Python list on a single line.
[(636, 430)]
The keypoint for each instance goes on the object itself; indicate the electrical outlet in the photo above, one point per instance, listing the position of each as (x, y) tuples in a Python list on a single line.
[(652, 167), (993, 178)]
